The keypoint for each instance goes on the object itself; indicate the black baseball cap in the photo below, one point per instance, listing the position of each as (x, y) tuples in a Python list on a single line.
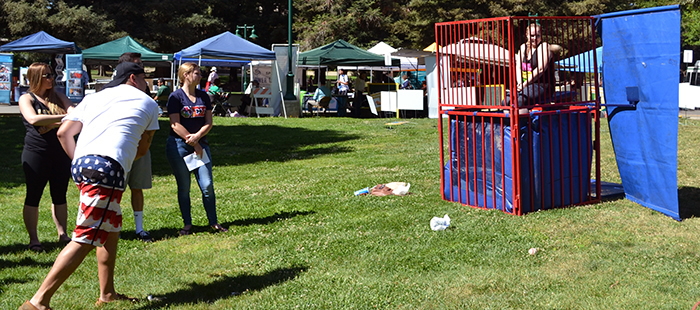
[(123, 71)]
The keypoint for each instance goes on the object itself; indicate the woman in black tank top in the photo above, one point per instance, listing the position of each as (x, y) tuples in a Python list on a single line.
[(43, 158), (534, 70)]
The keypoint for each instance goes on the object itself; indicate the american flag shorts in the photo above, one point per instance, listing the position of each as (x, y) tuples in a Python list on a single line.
[(101, 182)]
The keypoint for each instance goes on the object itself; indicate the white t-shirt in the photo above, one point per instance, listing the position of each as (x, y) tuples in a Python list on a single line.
[(113, 121), (343, 78)]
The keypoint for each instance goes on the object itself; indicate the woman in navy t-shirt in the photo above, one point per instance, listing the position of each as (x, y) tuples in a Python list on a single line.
[(190, 113)]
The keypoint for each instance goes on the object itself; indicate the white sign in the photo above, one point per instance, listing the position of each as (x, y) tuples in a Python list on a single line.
[(263, 74), (688, 56)]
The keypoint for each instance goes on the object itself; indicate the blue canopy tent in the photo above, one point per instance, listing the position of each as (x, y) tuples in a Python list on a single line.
[(214, 62), (41, 42), (582, 62), (226, 46), (224, 50)]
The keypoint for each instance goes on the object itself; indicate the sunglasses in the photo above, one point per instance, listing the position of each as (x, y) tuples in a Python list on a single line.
[(47, 75)]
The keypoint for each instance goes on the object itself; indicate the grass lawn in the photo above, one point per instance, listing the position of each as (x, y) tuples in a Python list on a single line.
[(299, 238)]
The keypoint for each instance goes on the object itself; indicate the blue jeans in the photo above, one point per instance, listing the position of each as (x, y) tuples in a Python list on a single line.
[(175, 150)]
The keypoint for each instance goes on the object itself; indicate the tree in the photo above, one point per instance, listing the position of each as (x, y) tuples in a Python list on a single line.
[(169, 26), (78, 24), (360, 22)]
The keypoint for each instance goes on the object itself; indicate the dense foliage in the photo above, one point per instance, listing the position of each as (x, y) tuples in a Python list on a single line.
[(168, 26)]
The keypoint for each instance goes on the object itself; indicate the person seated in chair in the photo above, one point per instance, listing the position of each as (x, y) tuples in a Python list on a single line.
[(321, 92), (217, 96), (406, 84), (214, 88)]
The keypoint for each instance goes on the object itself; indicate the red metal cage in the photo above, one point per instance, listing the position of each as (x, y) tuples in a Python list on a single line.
[(523, 124)]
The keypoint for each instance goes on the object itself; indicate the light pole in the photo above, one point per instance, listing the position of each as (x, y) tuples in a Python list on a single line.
[(245, 28), (245, 36), (289, 95)]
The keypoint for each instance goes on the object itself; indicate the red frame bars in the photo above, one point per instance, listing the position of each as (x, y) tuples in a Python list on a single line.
[(477, 63)]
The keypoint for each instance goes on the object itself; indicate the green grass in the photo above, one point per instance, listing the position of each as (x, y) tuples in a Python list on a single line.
[(300, 239)]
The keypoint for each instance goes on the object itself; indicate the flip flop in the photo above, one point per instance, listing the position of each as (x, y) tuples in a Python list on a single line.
[(28, 306), (36, 248), (119, 297)]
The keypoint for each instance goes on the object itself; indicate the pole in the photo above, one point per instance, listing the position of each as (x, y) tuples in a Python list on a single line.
[(245, 37), (245, 70), (289, 95)]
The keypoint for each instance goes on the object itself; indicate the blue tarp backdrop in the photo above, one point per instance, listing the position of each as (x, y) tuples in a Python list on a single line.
[(641, 62)]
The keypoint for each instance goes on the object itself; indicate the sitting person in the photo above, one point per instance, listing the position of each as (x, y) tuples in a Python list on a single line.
[(406, 84), (214, 88), (534, 69), (321, 92), (216, 96)]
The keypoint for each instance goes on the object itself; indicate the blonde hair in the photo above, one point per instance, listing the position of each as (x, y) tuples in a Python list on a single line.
[(187, 67), (34, 75)]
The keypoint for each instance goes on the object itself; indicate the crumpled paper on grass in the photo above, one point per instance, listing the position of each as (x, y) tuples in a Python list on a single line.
[(440, 223)]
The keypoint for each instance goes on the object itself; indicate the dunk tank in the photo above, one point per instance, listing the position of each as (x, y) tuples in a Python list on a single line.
[(502, 146)]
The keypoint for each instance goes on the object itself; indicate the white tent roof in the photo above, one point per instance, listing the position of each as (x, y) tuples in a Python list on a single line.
[(382, 48)]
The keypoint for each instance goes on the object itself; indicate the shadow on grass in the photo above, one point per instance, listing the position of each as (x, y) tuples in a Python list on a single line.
[(165, 233), (247, 144), (21, 247), (231, 145), (268, 219), (688, 202), (224, 287), (24, 262)]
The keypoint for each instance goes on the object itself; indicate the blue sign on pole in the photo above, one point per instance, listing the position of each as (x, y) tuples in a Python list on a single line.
[(5, 78), (74, 77)]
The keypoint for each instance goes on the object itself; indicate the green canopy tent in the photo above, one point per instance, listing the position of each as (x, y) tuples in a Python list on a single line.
[(341, 53), (108, 53)]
